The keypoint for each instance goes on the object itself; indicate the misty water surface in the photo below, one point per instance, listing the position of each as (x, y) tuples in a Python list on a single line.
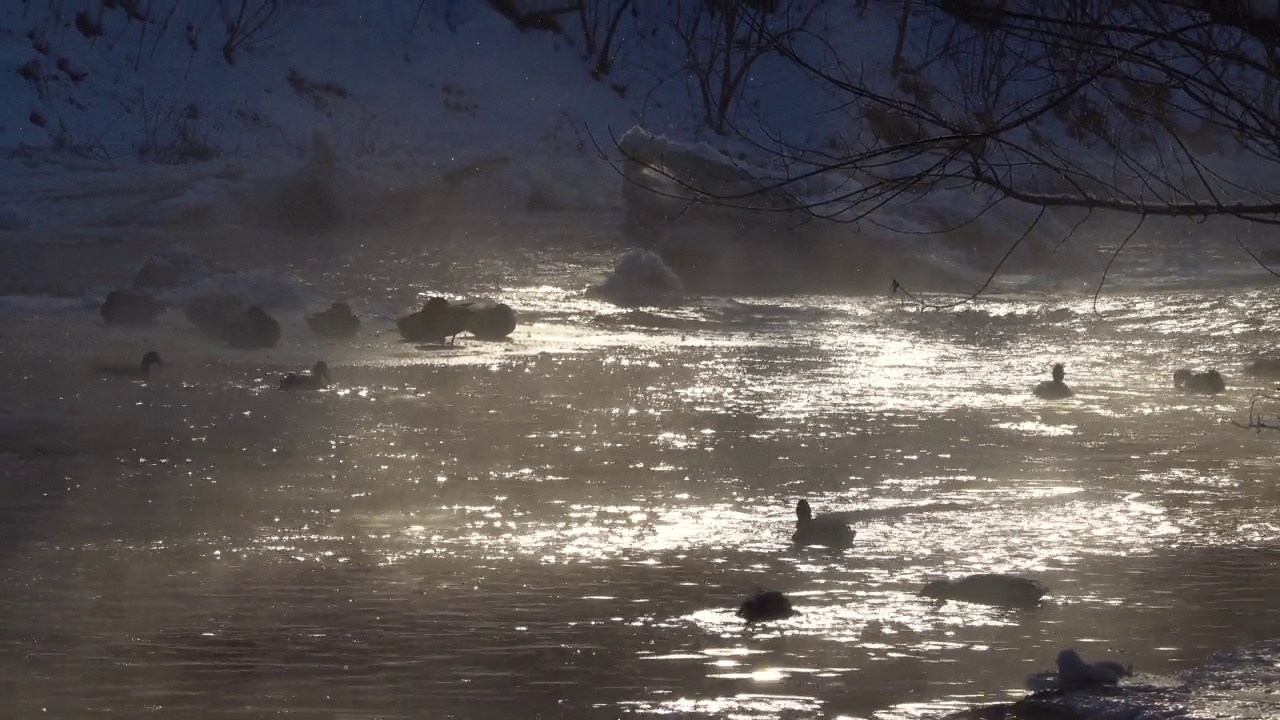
[(563, 525)]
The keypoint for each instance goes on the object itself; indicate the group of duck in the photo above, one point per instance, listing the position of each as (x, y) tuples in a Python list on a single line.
[(236, 323), (989, 588), (834, 533), (1209, 382)]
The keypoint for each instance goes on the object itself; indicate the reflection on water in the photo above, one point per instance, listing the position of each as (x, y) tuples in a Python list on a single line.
[(565, 523)]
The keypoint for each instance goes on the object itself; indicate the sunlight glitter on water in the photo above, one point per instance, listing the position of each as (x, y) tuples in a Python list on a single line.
[(589, 503)]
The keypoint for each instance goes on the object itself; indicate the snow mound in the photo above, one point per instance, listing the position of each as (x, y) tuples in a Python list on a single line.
[(664, 178), (265, 289), (179, 275), (175, 268), (641, 278)]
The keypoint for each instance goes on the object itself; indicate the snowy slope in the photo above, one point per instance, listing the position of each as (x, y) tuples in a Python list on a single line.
[(406, 106)]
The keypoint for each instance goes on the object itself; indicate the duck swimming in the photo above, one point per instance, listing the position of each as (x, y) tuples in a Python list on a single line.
[(827, 530), (1204, 382), (317, 379), (338, 321), (1054, 389), (988, 589), (436, 321), (1074, 673), (141, 370), (126, 308), (765, 606)]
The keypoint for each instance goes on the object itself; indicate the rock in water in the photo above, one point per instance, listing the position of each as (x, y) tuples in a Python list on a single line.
[(765, 606), (988, 589), (1208, 383)]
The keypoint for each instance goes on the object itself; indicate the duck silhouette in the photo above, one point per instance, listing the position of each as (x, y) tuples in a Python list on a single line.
[(317, 379), (230, 319), (130, 308), (1074, 673), (337, 322), (141, 370), (987, 589), (765, 606), (436, 321), (491, 321), (1054, 389), (1209, 382), (826, 530), (210, 313), (255, 329)]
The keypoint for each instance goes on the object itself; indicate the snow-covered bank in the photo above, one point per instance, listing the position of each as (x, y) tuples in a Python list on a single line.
[(351, 116), (364, 73)]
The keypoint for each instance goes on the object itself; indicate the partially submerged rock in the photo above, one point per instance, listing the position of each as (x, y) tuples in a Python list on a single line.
[(765, 606), (988, 589), (1210, 382)]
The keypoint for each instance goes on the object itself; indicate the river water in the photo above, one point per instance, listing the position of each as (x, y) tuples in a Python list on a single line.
[(562, 525)]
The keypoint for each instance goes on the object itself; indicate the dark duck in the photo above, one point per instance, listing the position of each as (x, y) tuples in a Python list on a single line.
[(317, 379), (141, 370), (436, 321), (129, 308), (826, 530), (1054, 389), (1209, 383), (491, 321), (227, 319), (765, 606), (338, 321), (987, 589), (254, 329), (1075, 673)]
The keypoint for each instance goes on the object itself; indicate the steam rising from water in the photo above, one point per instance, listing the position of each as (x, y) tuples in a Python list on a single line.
[(565, 523)]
